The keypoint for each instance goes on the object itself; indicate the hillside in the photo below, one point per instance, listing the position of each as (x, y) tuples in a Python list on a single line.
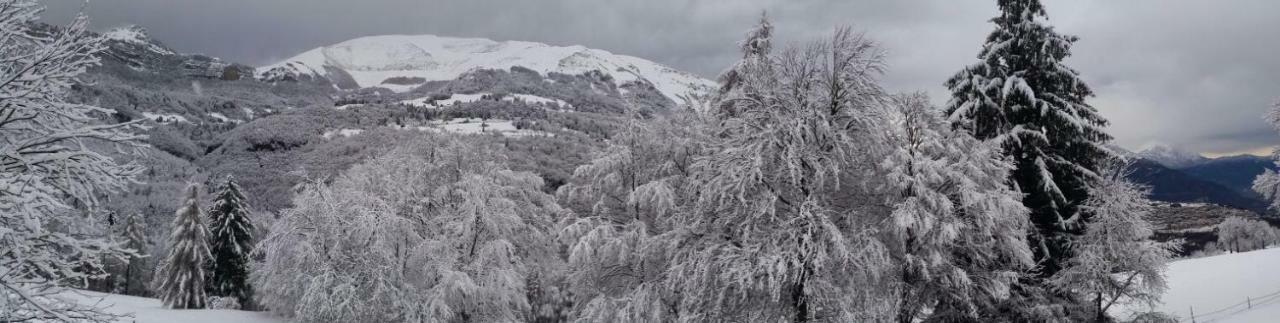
[(1234, 172), (1171, 185), (1170, 156)]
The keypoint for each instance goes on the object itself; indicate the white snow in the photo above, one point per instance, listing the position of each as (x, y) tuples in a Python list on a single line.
[(223, 118), (371, 60), (1220, 288), (427, 102), (128, 34), (348, 106), (151, 310), (534, 99), (134, 35), (248, 113), (471, 126), (460, 98), (1170, 156), (165, 117), (341, 132)]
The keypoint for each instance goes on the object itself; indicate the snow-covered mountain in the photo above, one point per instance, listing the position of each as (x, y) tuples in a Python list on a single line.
[(1170, 156), (402, 62)]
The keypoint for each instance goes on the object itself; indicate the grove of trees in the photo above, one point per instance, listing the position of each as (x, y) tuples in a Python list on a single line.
[(800, 190)]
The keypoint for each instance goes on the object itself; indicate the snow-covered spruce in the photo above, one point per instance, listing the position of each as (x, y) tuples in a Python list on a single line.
[(1115, 260), (957, 230), (1022, 95), (755, 55), (625, 197), (135, 266), (50, 183), (436, 231), (180, 281), (230, 244)]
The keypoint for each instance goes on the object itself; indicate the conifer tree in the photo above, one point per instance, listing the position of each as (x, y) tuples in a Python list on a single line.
[(230, 243), (136, 240), (180, 281), (1022, 95), (755, 55)]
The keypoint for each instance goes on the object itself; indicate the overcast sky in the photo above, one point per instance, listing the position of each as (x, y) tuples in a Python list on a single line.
[(1192, 73)]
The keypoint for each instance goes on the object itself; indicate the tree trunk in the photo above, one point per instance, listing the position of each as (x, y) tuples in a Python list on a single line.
[(1102, 316)]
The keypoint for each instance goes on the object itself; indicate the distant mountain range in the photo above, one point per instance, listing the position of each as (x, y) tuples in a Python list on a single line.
[(1176, 175)]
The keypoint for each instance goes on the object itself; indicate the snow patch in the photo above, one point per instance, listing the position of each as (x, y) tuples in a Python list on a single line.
[(341, 132), (534, 99), (347, 106), (134, 35), (223, 118)]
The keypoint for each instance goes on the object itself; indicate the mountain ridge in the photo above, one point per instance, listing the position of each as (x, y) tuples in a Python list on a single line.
[(372, 61)]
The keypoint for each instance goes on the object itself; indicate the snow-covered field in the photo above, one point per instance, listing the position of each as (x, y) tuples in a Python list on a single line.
[(1221, 288), (150, 310)]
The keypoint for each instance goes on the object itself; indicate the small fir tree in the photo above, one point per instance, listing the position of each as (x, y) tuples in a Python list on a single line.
[(230, 243), (180, 281), (136, 240)]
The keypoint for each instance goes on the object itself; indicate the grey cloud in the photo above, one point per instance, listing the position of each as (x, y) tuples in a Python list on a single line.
[(1193, 73)]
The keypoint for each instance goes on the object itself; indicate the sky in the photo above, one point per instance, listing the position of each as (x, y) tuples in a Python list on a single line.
[(1194, 74)]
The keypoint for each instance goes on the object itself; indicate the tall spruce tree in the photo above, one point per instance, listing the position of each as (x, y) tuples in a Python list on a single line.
[(136, 240), (1022, 95), (180, 282), (230, 242)]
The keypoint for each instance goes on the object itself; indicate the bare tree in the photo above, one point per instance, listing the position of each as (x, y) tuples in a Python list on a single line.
[(50, 182)]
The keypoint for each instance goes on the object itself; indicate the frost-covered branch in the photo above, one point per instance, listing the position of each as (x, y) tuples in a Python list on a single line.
[(50, 183)]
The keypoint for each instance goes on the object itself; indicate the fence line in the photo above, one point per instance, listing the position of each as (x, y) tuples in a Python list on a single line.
[(1231, 310)]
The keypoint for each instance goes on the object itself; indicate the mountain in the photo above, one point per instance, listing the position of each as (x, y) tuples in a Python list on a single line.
[(1234, 172), (404, 62), (1172, 185), (1170, 156)]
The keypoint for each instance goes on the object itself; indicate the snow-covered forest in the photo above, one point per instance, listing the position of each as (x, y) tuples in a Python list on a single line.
[(369, 182)]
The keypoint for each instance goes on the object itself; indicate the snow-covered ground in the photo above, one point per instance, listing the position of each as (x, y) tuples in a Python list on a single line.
[(473, 126), (1221, 288), (341, 132), (150, 310), (427, 102)]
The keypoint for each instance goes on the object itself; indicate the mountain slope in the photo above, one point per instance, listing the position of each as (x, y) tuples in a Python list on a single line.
[(403, 62), (1234, 172), (1170, 156), (1171, 185)]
